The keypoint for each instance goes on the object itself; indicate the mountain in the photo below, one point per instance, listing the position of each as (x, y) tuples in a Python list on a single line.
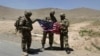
[(77, 13), (84, 13), (9, 13)]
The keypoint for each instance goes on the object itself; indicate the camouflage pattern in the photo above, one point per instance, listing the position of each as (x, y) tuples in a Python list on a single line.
[(24, 26), (25, 29), (48, 34), (53, 18), (64, 32), (17, 24)]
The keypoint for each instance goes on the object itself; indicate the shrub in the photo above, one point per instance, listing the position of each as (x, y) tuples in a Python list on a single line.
[(88, 32)]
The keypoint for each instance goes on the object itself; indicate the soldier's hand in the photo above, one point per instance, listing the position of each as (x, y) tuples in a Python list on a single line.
[(60, 23)]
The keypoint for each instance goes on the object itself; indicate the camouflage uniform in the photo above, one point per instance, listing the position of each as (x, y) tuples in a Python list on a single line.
[(50, 35), (64, 32), (25, 28), (53, 19)]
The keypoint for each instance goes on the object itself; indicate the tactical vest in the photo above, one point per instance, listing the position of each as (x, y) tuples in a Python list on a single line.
[(23, 22), (64, 25)]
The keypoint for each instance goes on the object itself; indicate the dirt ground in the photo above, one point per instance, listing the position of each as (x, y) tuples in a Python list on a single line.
[(7, 32)]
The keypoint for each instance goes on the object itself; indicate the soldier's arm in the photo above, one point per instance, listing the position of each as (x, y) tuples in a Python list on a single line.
[(15, 24), (33, 21), (67, 23)]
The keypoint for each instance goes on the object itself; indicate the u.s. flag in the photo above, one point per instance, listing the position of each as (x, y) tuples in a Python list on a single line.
[(50, 26)]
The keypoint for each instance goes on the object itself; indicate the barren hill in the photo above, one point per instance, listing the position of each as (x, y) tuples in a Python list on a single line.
[(72, 14), (7, 13), (84, 13)]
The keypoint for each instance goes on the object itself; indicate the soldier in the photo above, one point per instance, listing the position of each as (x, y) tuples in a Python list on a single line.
[(53, 18), (25, 28), (64, 31), (47, 33)]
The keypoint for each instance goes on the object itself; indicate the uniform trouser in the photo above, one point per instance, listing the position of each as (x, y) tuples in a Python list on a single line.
[(64, 39), (26, 41), (50, 36)]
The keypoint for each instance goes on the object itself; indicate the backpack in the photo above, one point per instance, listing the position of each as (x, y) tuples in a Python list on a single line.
[(17, 24)]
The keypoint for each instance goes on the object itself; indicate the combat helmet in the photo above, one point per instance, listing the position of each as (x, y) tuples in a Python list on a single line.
[(27, 13), (62, 14)]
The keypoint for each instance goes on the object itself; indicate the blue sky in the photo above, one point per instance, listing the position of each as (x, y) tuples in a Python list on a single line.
[(63, 4)]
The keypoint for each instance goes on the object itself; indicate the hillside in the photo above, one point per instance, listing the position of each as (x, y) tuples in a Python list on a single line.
[(7, 13), (77, 14)]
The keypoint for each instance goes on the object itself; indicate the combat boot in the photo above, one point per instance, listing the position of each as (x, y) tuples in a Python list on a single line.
[(42, 49), (24, 54), (51, 47), (67, 49)]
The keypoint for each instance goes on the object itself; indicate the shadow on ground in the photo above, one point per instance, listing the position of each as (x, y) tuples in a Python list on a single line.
[(34, 51), (68, 50)]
